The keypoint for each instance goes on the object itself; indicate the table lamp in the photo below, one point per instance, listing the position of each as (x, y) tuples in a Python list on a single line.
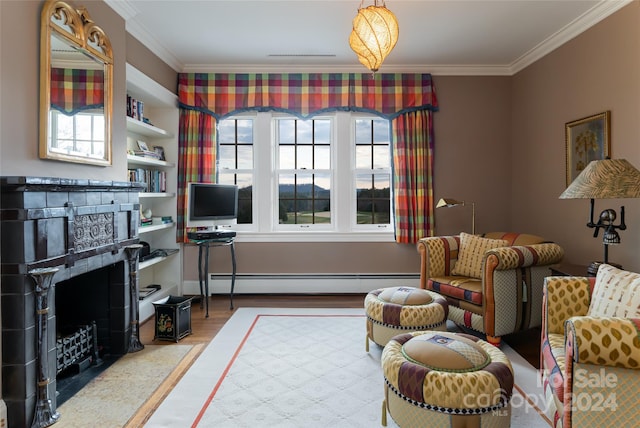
[(605, 179)]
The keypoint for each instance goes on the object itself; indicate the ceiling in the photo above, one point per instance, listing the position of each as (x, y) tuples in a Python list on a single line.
[(455, 37)]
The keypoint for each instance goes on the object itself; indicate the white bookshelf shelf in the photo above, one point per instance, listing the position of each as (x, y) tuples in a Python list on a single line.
[(148, 263), (139, 160), (154, 227), (156, 195), (146, 129)]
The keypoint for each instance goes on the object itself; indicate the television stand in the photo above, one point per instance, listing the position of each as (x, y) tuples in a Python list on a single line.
[(205, 240)]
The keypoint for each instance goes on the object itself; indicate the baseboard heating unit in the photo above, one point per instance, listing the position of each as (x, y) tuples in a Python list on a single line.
[(303, 283)]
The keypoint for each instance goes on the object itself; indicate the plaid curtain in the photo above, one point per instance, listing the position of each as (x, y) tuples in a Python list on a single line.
[(392, 95), (412, 137), (196, 158), (74, 90)]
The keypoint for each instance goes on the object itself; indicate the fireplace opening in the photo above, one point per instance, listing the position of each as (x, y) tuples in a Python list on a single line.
[(88, 327)]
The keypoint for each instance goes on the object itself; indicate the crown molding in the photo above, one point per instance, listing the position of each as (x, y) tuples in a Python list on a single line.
[(129, 12), (123, 8), (579, 25), (442, 70)]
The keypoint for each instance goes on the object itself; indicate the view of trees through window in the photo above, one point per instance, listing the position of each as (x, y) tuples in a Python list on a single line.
[(304, 171), (373, 177)]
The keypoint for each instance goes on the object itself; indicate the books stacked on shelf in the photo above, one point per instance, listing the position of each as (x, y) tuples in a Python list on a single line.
[(166, 219), (147, 154), (146, 222), (135, 108), (155, 180), (149, 290)]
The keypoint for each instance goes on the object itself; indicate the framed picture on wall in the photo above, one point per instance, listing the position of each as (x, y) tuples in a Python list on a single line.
[(587, 139)]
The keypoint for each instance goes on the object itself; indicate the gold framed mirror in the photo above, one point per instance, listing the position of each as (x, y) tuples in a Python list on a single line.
[(76, 86)]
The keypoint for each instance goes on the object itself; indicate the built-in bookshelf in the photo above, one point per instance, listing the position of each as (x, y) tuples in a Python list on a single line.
[(152, 152)]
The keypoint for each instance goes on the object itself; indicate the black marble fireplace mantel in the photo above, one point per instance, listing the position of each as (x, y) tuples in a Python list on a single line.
[(76, 226)]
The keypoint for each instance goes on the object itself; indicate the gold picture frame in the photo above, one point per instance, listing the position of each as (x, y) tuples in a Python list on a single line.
[(587, 139), (77, 51)]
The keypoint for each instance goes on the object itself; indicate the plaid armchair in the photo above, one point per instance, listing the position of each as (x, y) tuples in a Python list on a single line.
[(590, 352), (502, 294)]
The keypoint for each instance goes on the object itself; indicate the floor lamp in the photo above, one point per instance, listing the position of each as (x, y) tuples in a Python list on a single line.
[(448, 203), (605, 179)]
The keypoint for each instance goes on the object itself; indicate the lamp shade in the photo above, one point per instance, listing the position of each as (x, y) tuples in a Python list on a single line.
[(374, 35), (448, 202), (605, 179)]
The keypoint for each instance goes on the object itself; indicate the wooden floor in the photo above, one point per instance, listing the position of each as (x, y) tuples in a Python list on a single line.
[(204, 329)]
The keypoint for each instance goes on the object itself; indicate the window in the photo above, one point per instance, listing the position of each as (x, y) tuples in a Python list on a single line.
[(304, 171), (81, 133), (373, 171), (323, 178), (235, 162)]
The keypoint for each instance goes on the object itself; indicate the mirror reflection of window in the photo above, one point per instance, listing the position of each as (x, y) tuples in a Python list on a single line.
[(79, 134)]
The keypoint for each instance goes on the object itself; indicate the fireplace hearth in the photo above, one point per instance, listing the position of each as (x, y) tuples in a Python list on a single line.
[(76, 231)]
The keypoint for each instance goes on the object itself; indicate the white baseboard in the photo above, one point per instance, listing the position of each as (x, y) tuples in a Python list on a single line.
[(302, 284)]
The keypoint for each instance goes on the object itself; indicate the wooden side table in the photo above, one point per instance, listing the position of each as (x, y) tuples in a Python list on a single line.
[(568, 269)]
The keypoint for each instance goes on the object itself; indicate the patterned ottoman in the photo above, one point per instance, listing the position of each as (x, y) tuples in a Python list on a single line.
[(395, 310), (441, 379)]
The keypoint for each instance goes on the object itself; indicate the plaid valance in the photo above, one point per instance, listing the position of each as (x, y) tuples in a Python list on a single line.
[(74, 90), (306, 94)]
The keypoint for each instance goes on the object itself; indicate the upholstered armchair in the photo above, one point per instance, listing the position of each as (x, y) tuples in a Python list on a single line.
[(493, 283), (590, 353)]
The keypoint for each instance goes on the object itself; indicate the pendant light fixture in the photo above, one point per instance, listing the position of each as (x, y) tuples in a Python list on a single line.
[(374, 35)]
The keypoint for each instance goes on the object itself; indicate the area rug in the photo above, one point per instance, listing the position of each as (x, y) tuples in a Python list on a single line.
[(300, 368), (127, 392)]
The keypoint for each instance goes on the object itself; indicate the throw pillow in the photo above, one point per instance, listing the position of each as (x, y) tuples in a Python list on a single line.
[(616, 293), (472, 249)]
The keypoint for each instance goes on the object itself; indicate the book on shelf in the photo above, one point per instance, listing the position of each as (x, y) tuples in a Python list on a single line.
[(135, 108), (162, 220), (147, 154), (148, 290), (154, 180)]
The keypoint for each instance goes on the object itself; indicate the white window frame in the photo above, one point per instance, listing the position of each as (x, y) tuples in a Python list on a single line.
[(302, 227), (377, 228), (343, 228)]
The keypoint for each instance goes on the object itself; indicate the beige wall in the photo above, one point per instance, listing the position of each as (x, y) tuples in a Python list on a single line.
[(499, 141), (597, 71), (472, 152), (144, 60)]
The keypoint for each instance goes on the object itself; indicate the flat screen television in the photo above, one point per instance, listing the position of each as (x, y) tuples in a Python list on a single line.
[(211, 205)]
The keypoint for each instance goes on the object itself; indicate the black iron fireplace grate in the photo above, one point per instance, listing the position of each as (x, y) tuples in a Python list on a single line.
[(78, 347)]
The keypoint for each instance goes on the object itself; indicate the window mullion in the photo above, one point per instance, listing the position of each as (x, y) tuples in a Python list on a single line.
[(343, 178), (264, 180)]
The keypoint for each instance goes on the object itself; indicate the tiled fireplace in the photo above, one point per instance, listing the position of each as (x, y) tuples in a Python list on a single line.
[(79, 233)]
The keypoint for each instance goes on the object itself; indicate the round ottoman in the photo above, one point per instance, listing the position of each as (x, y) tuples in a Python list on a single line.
[(395, 310), (440, 379)]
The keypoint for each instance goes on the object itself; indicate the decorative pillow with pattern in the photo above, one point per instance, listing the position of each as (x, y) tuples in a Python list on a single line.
[(472, 249), (616, 293)]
